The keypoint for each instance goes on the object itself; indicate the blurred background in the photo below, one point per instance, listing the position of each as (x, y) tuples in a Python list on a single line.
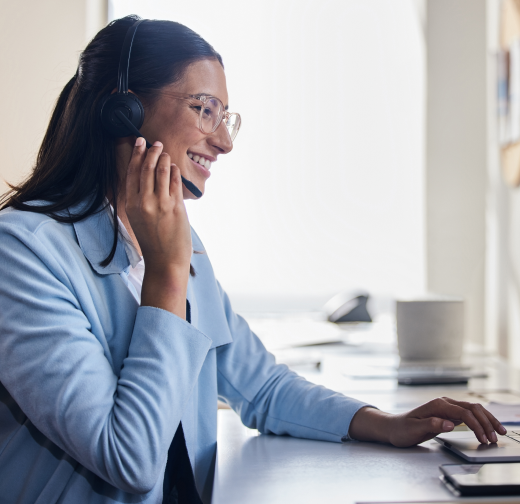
[(367, 159), (324, 188)]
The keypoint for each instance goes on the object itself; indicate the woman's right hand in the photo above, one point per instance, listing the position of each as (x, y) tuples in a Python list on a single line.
[(425, 422), (156, 212)]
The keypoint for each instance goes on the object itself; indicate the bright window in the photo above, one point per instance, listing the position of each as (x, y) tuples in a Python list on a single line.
[(323, 191)]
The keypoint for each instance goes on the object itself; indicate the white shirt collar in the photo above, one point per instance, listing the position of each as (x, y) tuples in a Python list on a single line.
[(133, 255)]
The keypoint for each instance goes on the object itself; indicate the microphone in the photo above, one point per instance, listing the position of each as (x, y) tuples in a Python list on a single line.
[(189, 185)]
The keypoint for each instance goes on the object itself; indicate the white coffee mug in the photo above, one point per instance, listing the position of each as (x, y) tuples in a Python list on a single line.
[(430, 329)]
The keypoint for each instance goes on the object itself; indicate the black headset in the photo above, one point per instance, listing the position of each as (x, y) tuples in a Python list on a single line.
[(122, 113)]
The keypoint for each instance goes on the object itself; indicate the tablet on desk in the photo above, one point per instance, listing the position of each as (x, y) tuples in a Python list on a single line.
[(481, 500), (482, 479)]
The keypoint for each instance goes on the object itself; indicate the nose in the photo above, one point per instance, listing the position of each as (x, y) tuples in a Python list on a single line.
[(221, 140)]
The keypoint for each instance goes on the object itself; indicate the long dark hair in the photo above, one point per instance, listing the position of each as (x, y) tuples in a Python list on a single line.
[(76, 161)]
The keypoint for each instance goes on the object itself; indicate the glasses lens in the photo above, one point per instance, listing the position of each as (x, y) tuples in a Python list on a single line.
[(210, 115), (233, 125)]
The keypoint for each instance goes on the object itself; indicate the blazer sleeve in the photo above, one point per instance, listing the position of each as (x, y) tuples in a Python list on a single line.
[(117, 426), (271, 398)]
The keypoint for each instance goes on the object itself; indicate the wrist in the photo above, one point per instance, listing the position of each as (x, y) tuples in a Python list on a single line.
[(168, 274), (371, 424), (165, 289)]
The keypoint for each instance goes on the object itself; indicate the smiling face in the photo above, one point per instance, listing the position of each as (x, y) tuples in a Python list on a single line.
[(175, 123)]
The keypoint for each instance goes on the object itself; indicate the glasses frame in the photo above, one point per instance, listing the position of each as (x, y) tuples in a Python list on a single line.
[(223, 116)]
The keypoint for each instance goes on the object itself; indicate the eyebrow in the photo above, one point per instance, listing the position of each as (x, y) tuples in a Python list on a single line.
[(226, 107)]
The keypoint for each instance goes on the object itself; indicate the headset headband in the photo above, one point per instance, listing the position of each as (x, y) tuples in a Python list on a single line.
[(124, 61)]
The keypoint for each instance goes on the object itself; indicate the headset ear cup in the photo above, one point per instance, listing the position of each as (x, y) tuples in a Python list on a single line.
[(129, 105)]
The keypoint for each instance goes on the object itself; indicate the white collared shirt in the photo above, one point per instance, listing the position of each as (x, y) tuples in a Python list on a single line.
[(136, 272)]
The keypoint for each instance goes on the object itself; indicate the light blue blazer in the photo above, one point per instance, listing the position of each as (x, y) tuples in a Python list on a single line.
[(93, 386)]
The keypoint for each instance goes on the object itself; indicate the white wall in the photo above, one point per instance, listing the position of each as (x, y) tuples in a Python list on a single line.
[(324, 189), (41, 42), (456, 155)]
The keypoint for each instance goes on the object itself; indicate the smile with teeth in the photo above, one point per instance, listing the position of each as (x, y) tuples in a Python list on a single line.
[(199, 159)]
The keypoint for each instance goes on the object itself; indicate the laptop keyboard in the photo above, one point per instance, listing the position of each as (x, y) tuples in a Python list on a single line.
[(514, 433)]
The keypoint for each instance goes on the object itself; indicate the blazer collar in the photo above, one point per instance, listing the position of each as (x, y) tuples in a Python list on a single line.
[(95, 236)]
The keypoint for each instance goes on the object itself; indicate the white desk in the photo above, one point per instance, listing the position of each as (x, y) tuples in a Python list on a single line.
[(259, 469)]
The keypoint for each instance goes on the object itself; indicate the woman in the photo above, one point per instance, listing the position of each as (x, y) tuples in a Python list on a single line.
[(109, 372)]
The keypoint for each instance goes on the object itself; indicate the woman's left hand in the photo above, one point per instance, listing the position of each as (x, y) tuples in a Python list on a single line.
[(425, 422)]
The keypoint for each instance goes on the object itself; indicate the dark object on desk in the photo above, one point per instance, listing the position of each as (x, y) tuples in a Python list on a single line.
[(422, 501), (421, 381), (435, 374), (481, 479), (345, 308)]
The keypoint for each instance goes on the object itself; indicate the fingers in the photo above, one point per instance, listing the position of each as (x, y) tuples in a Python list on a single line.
[(428, 428), (441, 415), (497, 426), (175, 181), (436, 425), (162, 176), (456, 412), (489, 423), (148, 168), (473, 415), (134, 167)]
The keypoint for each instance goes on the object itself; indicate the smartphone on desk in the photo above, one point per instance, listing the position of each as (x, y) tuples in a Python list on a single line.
[(482, 479)]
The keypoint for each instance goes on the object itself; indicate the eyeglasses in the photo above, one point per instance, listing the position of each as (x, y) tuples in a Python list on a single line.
[(212, 113)]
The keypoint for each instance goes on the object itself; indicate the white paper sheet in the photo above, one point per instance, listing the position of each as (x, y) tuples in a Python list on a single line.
[(505, 413)]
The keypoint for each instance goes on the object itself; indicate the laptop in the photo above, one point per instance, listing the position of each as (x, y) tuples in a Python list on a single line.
[(466, 445)]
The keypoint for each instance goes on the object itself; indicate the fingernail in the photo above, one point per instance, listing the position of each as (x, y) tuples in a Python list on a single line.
[(139, 141), (485, 439), (493, 437), (503, 430), (447, 426), (157, 144)]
